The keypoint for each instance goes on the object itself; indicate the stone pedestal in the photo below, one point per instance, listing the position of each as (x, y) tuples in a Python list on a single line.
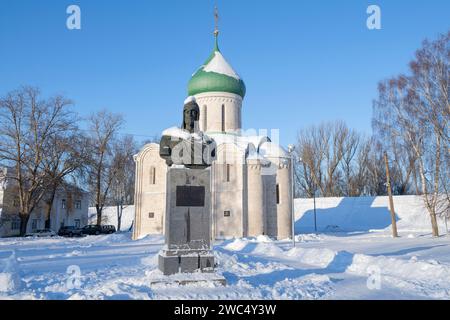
[(188, 222)]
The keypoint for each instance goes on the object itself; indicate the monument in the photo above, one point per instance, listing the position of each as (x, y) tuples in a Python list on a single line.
[(189, 154), (251, 176)]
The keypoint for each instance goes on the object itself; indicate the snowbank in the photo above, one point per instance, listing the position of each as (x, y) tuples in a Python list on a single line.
[(9, 279), (362, 214)]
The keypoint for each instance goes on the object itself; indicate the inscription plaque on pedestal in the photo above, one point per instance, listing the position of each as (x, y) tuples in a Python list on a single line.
[(188, 222)]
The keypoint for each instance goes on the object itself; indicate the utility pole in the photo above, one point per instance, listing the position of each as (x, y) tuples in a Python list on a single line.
[(315, 214), (291, 149), (391, 201)]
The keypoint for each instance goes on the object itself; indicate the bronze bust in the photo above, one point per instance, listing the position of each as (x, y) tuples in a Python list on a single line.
[(188, 146)]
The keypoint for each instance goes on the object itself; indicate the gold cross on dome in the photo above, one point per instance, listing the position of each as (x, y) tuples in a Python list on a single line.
[(216, 20)]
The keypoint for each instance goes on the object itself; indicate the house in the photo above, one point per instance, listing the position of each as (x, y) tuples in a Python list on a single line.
[(70, 208)]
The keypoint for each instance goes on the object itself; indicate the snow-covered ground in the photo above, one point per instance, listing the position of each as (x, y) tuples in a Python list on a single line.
[(360, 261), (319, 267)]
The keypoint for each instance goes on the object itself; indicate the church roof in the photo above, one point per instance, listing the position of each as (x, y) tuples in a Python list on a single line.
[(216, 75)]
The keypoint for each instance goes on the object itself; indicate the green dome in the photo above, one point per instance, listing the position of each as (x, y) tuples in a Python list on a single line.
[(216, 75)]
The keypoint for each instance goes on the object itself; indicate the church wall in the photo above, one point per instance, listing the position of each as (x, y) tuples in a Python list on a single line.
[(270, 205), (228, 201), (284, 207), (255, 201), (150, 193), (214, 112)]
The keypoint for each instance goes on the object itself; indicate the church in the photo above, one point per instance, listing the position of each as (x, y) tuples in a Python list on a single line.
[(251, 176)]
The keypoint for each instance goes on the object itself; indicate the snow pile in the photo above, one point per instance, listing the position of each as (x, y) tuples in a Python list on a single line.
[(9, 279), (427, 278), (363, 214), (236, 245), (268, 248), (314, 257), (218, 64), (311, 237)]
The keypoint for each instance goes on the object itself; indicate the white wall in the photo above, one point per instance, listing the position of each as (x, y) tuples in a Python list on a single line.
[(110, 216), (213, 102)]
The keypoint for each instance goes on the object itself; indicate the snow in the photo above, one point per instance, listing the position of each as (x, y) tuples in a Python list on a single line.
[(218, 64), (324, 266), (9, 279), (189, 99), (271, 150), (109, 216), (177, 132), (361, 261), (362, 214)]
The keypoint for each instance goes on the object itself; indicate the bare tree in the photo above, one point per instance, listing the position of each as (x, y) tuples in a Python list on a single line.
[(413, 112), (327, 154), (103, 128), (122, 189), (350, 145), (28, 125), (64, 156)]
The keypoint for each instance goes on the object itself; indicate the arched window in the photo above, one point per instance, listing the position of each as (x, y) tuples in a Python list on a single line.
[(205, 118), (226, 172), (278, 194), (152, 175), (223, 118), (239, 124)]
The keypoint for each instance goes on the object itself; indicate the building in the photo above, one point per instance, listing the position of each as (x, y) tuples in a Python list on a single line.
[(70, 208), (252, 177)]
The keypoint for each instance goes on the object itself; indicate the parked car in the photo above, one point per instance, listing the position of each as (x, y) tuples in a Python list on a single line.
[(70, 231), (108, 229), (42, 233), (94, 229)]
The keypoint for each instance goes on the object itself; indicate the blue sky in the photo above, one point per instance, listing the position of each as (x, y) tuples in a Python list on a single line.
[(303, 62)]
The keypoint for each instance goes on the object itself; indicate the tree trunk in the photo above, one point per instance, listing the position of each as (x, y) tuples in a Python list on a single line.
[(434, 224), (119, 216), (49, 209), (23, 223), (391, 200), (428, 204), (436, 185), (99, 215)]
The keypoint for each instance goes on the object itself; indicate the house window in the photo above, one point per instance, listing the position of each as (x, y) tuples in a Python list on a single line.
[(152, 175), (34, 224), (15, 225), (63, 203), (278, 194), (77, 223), (227, 213), (228, 173), (223, 118), (78, 204), (151, 215)]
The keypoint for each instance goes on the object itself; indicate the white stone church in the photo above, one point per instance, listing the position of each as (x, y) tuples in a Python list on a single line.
[(251, 177)]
